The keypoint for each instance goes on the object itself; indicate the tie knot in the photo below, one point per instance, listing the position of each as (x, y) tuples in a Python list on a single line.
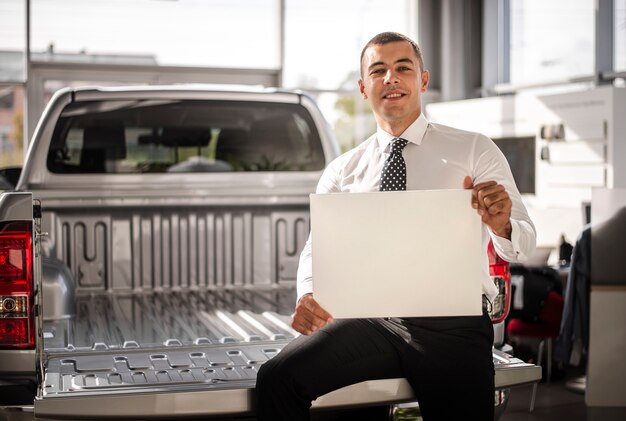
[(397, 144)]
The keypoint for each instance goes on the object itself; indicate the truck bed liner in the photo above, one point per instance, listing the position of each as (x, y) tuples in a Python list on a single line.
[(108, 321)]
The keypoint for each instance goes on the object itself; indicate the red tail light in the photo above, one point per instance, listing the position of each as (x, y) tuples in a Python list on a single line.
[(17, 321), (16, 332), (501, 275)]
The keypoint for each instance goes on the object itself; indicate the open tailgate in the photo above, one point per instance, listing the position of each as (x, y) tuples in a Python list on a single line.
[(213, 374)]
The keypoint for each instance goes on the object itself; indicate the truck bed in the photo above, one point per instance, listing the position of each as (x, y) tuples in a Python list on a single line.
[(155, 334), (146, 320), (149, 354)]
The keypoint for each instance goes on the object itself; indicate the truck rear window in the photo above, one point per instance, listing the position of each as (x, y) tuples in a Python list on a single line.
[(184, 136)]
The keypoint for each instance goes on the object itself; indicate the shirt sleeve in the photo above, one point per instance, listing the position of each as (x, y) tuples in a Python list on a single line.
[(491, 164), (328, 183)]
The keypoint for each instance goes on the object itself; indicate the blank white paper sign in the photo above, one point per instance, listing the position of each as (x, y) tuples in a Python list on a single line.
[(397, 254)]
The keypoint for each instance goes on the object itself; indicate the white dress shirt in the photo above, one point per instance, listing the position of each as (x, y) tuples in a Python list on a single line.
[(437, 157)]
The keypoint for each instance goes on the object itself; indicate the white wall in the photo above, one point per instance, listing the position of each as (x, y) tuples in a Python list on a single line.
[(590, 153)]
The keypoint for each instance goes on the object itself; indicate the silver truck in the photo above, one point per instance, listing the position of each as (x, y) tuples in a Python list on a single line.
[(148, 255)]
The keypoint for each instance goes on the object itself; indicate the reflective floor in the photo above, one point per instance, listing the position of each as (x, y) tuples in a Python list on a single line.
[(553, 402), (556, 402)]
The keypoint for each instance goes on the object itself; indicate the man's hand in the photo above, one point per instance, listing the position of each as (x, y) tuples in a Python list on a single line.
[(309, 316), (493, 204)]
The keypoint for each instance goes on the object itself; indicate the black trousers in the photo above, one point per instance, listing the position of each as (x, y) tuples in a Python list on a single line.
[(447, 360)]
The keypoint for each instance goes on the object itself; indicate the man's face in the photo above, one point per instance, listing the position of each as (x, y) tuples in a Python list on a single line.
[(393, 83)]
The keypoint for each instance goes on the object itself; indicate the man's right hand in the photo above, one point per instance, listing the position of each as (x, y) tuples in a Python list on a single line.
[(309, 316)]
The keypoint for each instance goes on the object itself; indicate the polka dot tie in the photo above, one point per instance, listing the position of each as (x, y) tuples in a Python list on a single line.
[(394, 170)]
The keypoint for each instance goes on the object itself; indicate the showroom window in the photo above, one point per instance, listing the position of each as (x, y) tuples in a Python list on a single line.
[(322, 51), (12, 76), (619, 28), (322, 48), (219, 33), (551, 40), (12, 41)]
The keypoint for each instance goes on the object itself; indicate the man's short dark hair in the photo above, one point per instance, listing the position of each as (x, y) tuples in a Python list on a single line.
[(387, 37)]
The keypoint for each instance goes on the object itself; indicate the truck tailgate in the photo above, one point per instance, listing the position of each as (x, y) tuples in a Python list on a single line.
[(172, 354), (177, 386)]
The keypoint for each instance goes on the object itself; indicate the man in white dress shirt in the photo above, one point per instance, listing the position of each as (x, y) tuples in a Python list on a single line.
[(447, 360)]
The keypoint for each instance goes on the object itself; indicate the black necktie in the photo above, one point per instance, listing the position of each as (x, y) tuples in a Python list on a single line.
[(394, 170)]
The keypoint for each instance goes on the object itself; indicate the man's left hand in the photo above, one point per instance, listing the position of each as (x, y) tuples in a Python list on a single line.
[(493, 204)]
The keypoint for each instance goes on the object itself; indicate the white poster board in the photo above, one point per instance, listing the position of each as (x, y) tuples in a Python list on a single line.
[(397, 254)]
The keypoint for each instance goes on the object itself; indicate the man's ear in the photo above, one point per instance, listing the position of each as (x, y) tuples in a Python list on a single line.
[(425, 76), (362, 89)]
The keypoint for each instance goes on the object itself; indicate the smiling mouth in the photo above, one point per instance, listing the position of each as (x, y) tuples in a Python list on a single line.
[(393, 95)]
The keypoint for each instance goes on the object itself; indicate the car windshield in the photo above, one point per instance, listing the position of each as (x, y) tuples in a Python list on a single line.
[(184, 136)]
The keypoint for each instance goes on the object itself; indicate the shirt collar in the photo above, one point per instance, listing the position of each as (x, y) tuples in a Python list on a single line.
[(414, 133)]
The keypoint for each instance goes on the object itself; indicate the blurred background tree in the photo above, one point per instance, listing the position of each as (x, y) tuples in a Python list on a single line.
[(355, 121), (17, 134)]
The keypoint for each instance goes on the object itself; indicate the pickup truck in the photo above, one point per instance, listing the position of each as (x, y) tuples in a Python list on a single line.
[(148, 255)]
